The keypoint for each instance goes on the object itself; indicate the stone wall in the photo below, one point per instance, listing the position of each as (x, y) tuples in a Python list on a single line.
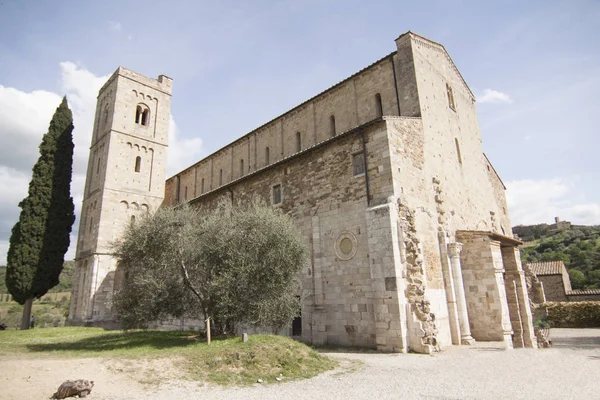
[(351, 102), (554, 288)]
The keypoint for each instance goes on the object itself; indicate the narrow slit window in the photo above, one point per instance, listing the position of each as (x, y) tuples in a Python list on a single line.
[(332, 126), (378, 106), (185, 194), (242, 167), (458, 151), (277, 194), (358, 164), (132, 219), (138, 163), (267, 156), (145, 117), (298, 141), (202, 186), (220, 177), (91, 223), (138, 114), (98, 165), (450, 97)]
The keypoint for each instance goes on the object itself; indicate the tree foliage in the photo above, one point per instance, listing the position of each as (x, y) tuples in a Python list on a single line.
[(40, 238), (237, 265), (578, 248)]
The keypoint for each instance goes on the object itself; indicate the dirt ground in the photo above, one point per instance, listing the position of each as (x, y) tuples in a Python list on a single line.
[(570, 370)]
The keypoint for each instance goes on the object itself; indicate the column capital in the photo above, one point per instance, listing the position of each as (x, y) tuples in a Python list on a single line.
[(454, 249)]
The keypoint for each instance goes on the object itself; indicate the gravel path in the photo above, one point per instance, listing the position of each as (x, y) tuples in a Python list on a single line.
[(570, 370)]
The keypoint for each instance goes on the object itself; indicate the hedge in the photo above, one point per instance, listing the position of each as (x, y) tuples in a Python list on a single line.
[(581, 314)]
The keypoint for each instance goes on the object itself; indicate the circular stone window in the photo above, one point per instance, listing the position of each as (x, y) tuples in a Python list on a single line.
[(346, 245)]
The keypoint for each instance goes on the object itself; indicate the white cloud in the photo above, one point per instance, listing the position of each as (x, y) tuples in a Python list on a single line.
[(539, 201), (115, 26), (182, 152), (24, 118), (494, 96)]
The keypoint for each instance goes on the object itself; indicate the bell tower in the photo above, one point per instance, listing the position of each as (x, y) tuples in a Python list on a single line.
[(125, 179)]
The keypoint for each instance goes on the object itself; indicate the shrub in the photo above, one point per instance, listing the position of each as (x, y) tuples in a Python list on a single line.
[(582, 314)]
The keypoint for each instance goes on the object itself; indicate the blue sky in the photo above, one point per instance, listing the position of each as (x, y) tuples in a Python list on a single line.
[(533, 65)]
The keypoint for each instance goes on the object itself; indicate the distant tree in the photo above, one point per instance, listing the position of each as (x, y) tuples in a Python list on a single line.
[(578, 279), (237, 265), (40, 238)]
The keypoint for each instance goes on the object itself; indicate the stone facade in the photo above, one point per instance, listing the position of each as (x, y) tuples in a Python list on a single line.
[(405, 218), (125, 178)]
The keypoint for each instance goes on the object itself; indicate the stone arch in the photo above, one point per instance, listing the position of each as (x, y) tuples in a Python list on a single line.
[(142, 114)]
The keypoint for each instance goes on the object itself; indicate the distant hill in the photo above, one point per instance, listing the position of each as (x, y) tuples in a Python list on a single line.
[(65, 278), (578, 246)]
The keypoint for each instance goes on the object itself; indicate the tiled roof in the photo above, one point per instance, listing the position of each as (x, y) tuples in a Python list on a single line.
[(582, 292), (547, 267)]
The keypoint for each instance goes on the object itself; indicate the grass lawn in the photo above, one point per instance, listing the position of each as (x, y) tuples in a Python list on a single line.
[(225, 361)]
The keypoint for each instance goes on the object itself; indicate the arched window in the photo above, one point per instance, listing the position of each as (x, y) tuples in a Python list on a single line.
[(378, 106), (242, 167), (138, 163), (220, 177), (267, 156), (202, 186), (298, 141), (142, 115), (332, 125)]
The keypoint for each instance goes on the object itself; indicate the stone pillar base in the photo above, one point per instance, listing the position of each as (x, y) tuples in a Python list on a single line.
[(467, 341)]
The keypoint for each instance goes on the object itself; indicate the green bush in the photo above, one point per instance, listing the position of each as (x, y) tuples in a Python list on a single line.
[(581, 314)]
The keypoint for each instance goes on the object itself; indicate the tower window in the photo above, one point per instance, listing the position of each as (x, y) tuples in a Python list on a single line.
[(450, 97), (358, 164), (277, 194), (378, 106), (142, 115), (242, 167), (332, 126), (138, 163), (458, 151), (267, 156), (98, 165), (298, 141)]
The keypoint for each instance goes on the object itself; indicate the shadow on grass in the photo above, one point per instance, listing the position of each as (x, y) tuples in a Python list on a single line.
[(121, 341)]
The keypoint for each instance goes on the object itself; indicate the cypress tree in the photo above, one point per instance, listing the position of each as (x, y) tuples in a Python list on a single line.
[(41, 236)]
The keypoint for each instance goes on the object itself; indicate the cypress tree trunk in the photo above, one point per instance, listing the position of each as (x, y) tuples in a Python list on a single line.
[(26, 314)]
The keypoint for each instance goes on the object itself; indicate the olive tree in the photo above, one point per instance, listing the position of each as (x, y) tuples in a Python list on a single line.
[(234, 264)]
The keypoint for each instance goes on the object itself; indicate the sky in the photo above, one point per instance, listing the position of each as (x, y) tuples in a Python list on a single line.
[(534, 67)]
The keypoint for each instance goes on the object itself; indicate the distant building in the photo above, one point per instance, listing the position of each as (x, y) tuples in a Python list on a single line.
[(559, 225), (557, 284)]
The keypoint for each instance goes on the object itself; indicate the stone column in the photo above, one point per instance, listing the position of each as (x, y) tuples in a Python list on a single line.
[(450, 291), (461, 302)]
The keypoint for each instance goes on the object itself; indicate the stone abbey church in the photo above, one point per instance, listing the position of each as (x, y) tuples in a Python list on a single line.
[(410, 241)]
